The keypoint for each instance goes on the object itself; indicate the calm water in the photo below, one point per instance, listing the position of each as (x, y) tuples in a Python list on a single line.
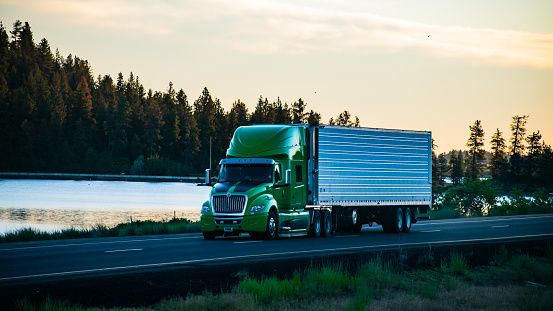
[(56, 204)]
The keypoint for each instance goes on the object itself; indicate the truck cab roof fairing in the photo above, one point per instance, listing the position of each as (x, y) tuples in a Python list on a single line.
[(266, 141)]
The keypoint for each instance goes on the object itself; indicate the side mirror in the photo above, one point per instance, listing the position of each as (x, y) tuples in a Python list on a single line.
[(208, 177), (287, 177)]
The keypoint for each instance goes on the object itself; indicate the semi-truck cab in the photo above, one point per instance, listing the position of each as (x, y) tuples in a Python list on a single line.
[(286, 180)]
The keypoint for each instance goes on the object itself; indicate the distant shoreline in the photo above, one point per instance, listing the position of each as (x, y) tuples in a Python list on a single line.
[(106, 177)]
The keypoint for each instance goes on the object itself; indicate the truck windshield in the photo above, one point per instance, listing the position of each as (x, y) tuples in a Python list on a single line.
[(246, 172)]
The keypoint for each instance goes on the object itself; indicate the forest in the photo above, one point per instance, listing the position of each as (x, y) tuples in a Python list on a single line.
[(56, 117)]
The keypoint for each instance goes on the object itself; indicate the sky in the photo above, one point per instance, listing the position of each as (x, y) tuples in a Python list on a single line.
[(433, 65)]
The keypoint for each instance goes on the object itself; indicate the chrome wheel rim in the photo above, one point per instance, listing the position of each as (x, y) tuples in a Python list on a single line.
[(354, 217), (272, 226)]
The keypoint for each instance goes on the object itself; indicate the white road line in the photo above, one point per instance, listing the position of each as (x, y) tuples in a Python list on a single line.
[(266, 255), (98, 243), (245, 242), (504, 226), (125, 250), (430, 231), (480, 219)]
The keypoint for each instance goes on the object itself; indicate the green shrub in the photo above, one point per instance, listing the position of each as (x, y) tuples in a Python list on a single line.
[(458, 264), (361, 300), (444, 213), (147, 227), (330, 279)]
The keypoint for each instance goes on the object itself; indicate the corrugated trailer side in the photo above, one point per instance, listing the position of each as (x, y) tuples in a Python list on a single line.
[(373, 167)]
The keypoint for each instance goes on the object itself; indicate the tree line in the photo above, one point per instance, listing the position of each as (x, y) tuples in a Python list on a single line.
[(57, 117), (522, 165)]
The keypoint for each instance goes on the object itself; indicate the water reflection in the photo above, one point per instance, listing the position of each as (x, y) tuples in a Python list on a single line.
[(56, 204)]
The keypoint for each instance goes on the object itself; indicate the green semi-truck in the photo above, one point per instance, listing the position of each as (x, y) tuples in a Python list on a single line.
[(288, 180)]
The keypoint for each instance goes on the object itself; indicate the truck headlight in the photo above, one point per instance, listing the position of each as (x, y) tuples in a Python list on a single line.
[(257, 208), (205, 208)]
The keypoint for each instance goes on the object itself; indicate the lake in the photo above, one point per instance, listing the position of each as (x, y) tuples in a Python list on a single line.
[(50, 205)]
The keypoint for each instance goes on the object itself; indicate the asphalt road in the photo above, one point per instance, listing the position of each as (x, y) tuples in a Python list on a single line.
[(55, 260)]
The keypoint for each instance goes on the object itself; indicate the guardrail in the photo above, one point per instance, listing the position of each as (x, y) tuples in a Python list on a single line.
[(108, 177)]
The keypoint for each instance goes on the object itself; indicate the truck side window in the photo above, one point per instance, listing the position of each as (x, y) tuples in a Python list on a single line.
[(277, 173), (298, 174)]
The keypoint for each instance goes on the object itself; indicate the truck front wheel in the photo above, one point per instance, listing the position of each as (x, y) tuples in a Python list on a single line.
[(209, 235), (271, 231)]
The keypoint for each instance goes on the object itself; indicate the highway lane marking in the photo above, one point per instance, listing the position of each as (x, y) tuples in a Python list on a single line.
[(430, 231), (245, 242), (503, 226), (97, 243), (481, 219), (231, 258), (125, 250)]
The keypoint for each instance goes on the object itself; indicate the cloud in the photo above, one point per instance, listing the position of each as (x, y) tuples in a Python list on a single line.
[(289, 29), (257, 26)]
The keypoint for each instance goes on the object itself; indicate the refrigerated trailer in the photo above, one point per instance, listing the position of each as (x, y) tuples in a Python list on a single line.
[(287, 180)]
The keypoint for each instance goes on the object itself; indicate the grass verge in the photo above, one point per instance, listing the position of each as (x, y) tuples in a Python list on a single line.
[(147, 227), (513, 281)]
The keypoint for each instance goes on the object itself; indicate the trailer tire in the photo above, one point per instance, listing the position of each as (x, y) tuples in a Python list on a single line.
[(352, 224), (406, 227), (315, 229), (394, 221), (272, 227), (327, 224)]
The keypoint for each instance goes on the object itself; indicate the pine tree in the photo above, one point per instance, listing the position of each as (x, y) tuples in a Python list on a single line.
[(298, 112), (313, 117), (204, 113), (440, 169), (188, 129), (476, 153), (344, 119), (534, 146), (282, 112), (170, 131), (154, 122), (535, 149), (264, 112), (456, 163), (82, 120), (498, 146), (238, 116), (517, 147)]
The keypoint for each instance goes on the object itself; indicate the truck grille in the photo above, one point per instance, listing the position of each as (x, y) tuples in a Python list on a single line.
[(229, 204)]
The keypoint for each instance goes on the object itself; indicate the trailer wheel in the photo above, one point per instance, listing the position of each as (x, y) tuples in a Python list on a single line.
[(315, 229), (394, 221), (271, 231), (406, 220), (327, 224)]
